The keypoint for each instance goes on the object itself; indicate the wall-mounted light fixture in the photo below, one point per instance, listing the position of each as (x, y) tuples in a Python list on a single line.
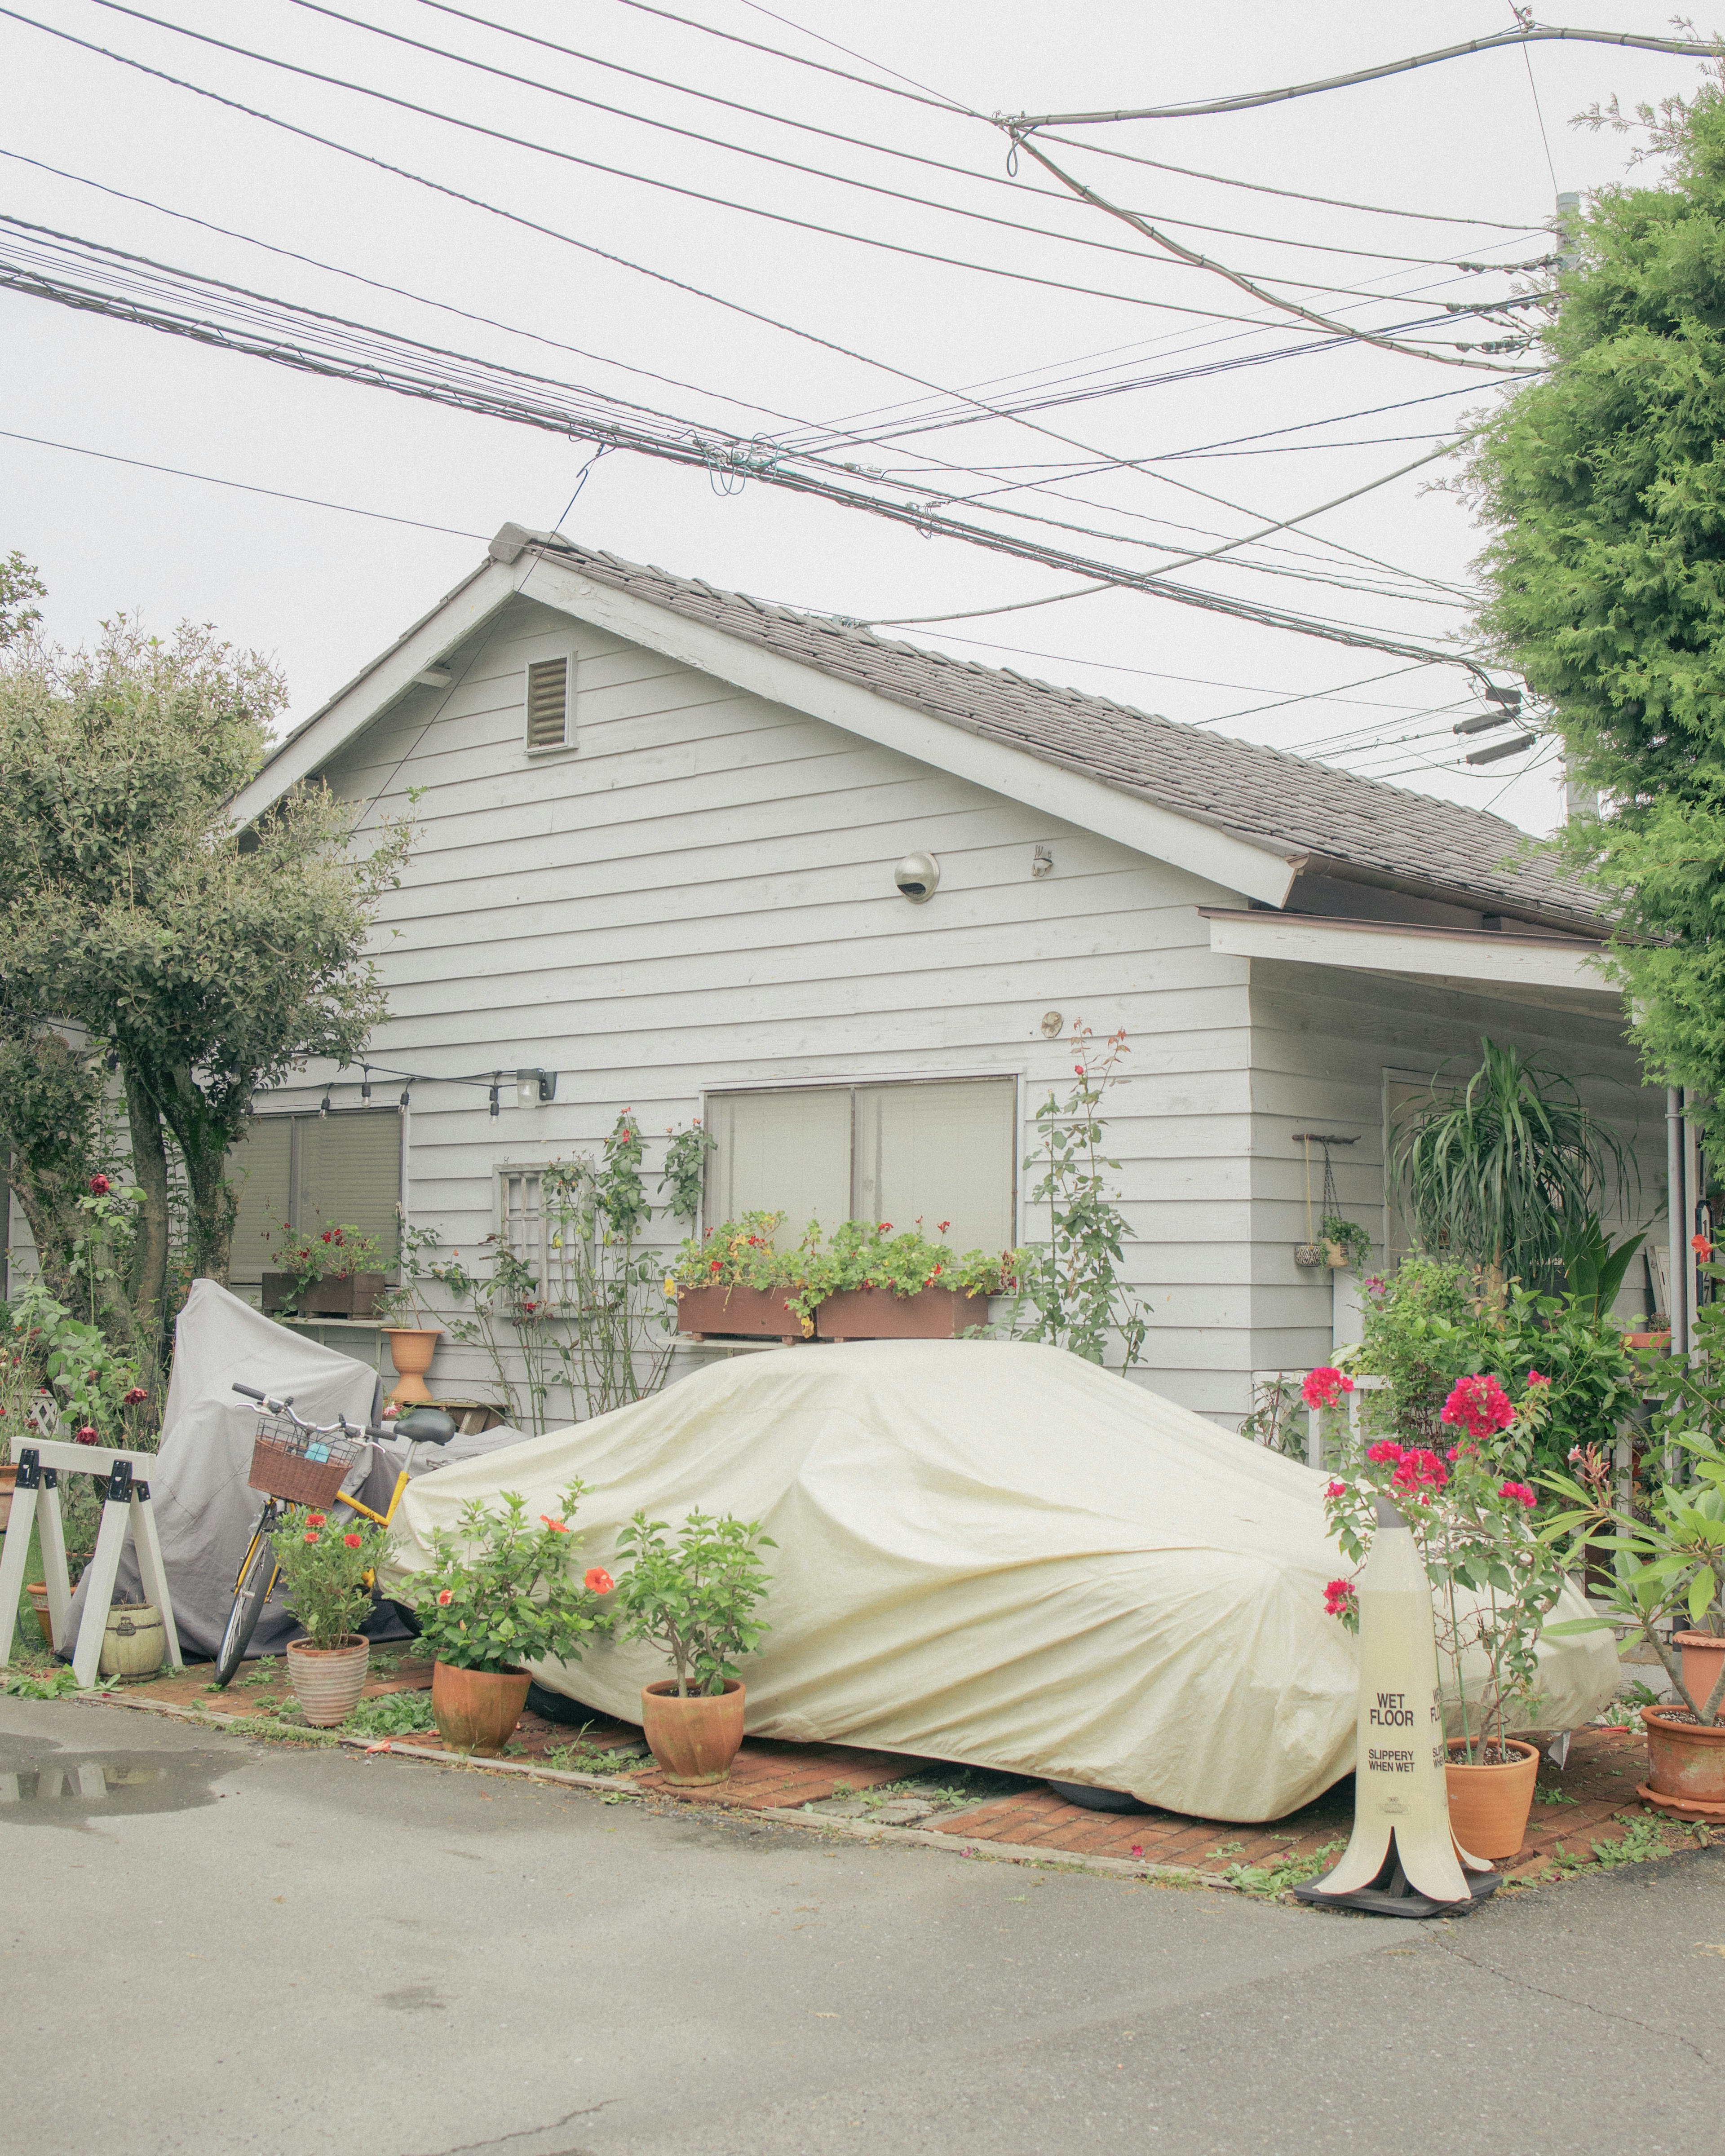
[(533, 1089), (918, 877)]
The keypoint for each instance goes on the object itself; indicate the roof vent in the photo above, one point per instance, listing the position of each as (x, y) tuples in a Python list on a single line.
[(548, 703)]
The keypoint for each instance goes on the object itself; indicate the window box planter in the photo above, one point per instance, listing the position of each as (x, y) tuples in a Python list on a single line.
[(751, 1313), (354, 1295), (877, 1313)]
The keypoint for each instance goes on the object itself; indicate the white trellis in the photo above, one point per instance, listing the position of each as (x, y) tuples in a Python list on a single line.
[(1315, 1418)]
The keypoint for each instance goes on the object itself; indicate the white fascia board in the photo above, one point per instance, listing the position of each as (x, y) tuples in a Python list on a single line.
[(1218, 857), (1436, 953), (351, 710)]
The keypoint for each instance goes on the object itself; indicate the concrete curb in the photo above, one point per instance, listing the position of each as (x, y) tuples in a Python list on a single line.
[(953, 1844)]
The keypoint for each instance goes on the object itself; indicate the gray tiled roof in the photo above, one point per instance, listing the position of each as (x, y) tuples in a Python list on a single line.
[(1263, 795)]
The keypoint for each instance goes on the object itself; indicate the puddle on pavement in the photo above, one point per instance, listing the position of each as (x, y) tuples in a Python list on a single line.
[(40, 1786)]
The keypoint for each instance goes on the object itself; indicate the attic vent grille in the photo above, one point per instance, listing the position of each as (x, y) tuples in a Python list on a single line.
[(548, 703)]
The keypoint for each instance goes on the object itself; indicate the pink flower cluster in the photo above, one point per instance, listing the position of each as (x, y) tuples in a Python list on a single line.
[(1480, 1405), (1323, 1388), (1340, 1597), (1520, 1492), (1415, 1469)]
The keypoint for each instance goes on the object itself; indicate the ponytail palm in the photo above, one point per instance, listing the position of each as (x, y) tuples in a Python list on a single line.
[(1501, 1169)]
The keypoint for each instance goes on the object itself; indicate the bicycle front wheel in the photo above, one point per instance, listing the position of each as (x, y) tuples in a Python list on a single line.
[(256, 1578)]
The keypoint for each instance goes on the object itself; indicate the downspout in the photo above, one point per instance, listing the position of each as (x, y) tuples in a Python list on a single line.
[(1692, 1193), (1677, 1206)]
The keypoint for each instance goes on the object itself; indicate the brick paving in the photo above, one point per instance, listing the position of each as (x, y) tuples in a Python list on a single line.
[(1575, 1809)]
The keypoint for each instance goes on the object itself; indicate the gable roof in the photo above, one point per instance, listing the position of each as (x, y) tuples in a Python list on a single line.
[(1342, 822), (1262, 800)]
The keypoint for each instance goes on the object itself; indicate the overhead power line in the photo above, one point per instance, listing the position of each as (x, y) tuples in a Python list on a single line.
[(1522, 34)]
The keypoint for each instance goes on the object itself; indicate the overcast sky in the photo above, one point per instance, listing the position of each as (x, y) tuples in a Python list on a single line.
[(323, 591)]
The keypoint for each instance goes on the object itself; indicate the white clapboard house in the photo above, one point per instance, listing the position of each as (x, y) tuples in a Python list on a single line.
[(665, 830)]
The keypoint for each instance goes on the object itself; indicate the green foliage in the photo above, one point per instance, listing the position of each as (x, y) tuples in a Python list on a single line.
[(1595, 1268), (327, 1566), (684, 1176), (1420, 1331), (1277, 1419), (56, 1684), (1602, 482), (92, 1387), (1494, 1165), (325, 1254), (1268, 1880), (391, 1714), (1349, 1237), (696, 1598), (1074, 1286), (50, 1126), (18, 583), (501, 1594)]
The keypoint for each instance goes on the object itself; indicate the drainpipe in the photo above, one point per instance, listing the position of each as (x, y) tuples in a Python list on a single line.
[(1692, 1192), (1677, 1205)]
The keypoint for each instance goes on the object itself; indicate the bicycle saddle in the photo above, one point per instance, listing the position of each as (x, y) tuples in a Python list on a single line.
[(424, 1426)]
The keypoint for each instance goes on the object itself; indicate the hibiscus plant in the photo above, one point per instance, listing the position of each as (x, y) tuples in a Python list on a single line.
[(503, 1592), (327, 1566), (1495, 1576), (695, 1598)]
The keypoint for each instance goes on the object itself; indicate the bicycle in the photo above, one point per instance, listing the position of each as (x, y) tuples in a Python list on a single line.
[(293, 1462)]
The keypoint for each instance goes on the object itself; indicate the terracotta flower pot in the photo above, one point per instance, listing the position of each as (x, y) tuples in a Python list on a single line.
[(1489, 1805), (134, 1641), (411, 1348), (1685, 1763), (327, 1682), (477, 1710), (696, 1739), (1703, 1654), (752, 1313), (877, 1313), (8, 1480), (37, 1593)]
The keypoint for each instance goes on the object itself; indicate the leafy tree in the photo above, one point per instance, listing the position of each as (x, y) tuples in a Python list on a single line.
[(207, 959), (19, 581), (1604, 484)]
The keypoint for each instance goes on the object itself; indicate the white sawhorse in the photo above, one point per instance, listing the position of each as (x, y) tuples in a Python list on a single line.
[(36, 1500)]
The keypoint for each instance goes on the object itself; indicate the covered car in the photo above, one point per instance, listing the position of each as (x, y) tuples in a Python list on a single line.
[(993, 1553)]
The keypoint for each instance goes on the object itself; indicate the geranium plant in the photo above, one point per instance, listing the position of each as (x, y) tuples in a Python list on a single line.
[(327, 1566), (503, 1591), (861, 1254), (695, 1598), (334, 1253), (1494, 1575)]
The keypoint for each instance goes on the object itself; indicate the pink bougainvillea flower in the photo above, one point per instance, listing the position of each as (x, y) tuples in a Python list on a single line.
[(1519, 1492), (1535, 1377), (98, 1186), (1324, 1387), (445, 1598), (1339, 1597), (1418, 1470), (1336, 1490), (352, 1540), (1386, 1448), (597, 1580), (1480, 1404)]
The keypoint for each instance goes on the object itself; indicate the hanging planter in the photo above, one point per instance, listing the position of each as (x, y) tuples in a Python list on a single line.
[(1336, 1242)]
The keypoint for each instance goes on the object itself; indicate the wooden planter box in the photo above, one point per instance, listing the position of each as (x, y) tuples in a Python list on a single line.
[(355, 1297), (748, 1312), (877, 1313)]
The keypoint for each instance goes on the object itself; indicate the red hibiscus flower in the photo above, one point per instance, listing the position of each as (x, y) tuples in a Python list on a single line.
[(445, 1598), (556, 1526), (1701, 1246), (597, 1580)]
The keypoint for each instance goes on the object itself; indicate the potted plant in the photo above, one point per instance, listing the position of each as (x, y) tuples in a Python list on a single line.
[(695, 1598), (327, 1566), (404, 1318), (735, 1281), (501, 1592), (1494, 1579), (331, 1272), (1345, 1242), (869, 1284), (1667, 1561)]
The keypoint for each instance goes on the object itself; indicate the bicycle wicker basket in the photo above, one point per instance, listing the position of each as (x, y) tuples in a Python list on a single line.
[(301, 1467)]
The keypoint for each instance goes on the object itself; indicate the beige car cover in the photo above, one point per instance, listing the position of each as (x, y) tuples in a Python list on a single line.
[(992, 1553)]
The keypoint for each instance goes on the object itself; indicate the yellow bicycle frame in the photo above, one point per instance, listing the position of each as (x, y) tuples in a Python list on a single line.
[(353, 1505)]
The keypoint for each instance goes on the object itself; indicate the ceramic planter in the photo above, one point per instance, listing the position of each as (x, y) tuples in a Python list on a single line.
[(477, 1710), (877, 1313), (1489, 1805), (327, 1682), (1685, 1763), (1661, 1339), (1336, 1255), (693, 1740), (411, 1348), (751, 1313), (1308, 1255), (1703, 1657), (133, 1641)]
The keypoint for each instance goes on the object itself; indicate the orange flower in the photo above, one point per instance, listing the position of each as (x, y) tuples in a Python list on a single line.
[(597, 1580), (556, 1526), (352, 1541), (313, 1519), (445, 1598), (311, 1534)]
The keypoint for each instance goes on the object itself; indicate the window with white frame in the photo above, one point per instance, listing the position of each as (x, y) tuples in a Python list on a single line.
[(942, 1149), (316, 1172)]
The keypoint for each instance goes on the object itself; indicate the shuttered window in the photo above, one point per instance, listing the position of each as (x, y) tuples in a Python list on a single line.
[(945, 1149), (317, 1172), (548, 703)]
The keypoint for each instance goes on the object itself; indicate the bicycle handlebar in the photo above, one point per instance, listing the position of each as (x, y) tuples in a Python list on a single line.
[(372, 1431)]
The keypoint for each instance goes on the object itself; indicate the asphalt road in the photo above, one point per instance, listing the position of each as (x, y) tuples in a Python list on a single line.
[(231, 1950)]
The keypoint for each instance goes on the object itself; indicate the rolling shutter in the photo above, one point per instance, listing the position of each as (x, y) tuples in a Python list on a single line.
[(781, 1152), (317, 1172), (261, 1168)]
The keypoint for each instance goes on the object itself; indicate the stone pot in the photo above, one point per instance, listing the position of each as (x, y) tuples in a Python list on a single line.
[(1685, 1763), (751, 1313), (1489, 1805), (134, 1641), (477, 1710), (411, 1348), (877, 1313), (1703, 1654), (693, 1740), (327, 1682)]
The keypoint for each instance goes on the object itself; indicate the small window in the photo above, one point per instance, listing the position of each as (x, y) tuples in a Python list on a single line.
[(548, 703), (318, 1172), (943, 1149)]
